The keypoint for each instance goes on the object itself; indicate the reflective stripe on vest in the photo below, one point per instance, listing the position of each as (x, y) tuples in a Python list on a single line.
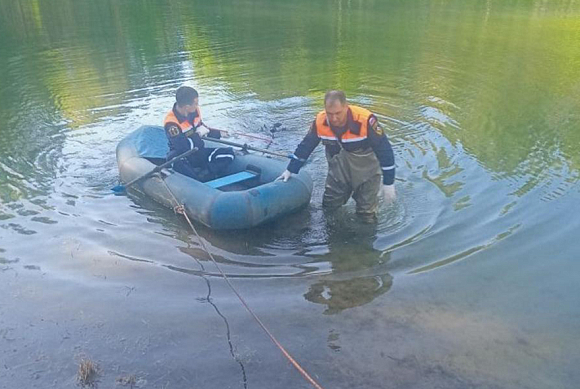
[(185, 125), (359, 115)]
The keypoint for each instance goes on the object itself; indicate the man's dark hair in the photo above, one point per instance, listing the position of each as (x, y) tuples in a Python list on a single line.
[(185, 95), (335, 95)]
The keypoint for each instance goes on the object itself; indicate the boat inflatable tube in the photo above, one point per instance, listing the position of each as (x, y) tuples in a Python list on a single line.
[(246, 196)]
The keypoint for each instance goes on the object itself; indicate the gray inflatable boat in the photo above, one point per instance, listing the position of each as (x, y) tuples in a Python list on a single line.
[(245, 197)]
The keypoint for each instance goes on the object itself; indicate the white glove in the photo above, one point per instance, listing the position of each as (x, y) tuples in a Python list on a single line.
[(389, 194), (284, 176), (202, 131)]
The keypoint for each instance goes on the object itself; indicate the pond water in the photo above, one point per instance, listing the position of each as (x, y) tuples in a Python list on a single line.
[(470, 280)]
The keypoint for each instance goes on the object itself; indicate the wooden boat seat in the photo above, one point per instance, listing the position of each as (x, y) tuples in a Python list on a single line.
[(232, 179)]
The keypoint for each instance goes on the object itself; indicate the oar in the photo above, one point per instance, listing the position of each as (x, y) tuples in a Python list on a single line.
[(246, 147), (121, 188), (269, 140)]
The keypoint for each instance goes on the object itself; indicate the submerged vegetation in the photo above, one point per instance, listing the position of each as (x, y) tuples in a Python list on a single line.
[(87, 373)]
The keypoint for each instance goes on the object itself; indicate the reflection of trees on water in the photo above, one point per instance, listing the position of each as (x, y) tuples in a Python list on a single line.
[(517, 108), (359, 272), (506, 92)]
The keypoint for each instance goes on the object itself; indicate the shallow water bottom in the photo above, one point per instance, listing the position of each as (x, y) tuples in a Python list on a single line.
[(159, 329)]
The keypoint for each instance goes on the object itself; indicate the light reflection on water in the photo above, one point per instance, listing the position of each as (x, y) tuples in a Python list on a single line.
[(481, 109), (434, 184)]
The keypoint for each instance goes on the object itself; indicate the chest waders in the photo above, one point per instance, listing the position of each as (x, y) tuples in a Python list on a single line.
[(357, 174)]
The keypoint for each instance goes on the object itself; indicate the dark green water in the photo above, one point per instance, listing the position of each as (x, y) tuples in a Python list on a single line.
[(469, 281)]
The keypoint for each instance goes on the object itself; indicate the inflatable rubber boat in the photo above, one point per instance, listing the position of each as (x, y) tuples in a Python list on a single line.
[(246, 196)]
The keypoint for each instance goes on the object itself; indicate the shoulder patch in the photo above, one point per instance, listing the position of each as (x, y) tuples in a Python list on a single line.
[(173, 131), (374, 124)]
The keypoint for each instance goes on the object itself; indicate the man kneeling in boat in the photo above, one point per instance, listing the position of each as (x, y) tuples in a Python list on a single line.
[(184, 129)]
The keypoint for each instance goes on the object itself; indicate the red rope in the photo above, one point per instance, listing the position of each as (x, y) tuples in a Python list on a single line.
[(269, 140), (181, 209)]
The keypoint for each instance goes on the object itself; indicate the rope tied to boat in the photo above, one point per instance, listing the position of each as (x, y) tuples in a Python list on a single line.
[(179, 208)]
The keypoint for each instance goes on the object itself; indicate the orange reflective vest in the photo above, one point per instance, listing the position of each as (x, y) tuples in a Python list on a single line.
[(359, 115), (184, 125)]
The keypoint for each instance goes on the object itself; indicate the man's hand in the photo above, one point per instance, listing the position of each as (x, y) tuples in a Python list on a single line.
[(284, 176), (223, 133), (389, 194), (202, 131)]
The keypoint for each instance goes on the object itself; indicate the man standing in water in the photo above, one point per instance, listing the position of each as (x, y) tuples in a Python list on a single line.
[(357, 151)]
